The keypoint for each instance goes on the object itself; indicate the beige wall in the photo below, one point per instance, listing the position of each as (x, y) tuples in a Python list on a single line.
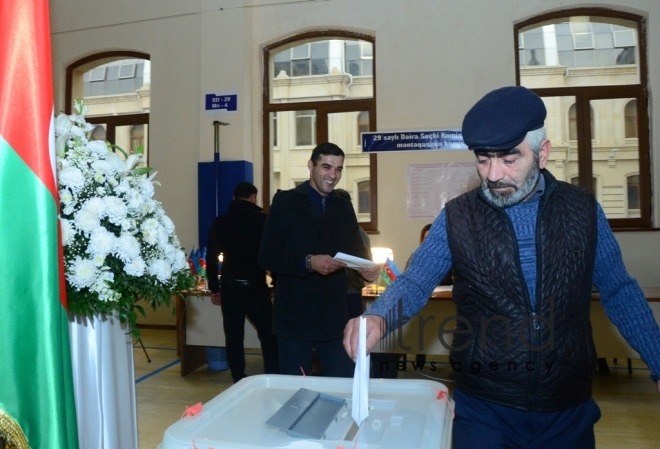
[(434, 60)]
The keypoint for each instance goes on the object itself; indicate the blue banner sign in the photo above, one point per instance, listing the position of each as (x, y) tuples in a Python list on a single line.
[(446, 139), (227, 103)]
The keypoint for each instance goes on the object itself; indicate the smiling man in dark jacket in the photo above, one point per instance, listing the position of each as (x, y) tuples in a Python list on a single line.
[(306, 227)]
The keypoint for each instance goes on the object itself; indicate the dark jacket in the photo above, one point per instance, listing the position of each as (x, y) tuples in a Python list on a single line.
[(518, 360), (308, 306), (237, 235)]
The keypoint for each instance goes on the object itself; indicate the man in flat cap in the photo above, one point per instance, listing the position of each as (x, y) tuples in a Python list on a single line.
[(526, 250)]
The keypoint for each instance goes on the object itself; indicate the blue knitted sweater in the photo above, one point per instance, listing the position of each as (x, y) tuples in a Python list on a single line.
[(620, 295)]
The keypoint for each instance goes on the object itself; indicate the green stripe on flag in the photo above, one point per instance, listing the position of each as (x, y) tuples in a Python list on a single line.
[(36, 387)]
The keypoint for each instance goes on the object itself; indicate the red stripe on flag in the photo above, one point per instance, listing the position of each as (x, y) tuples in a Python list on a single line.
[(26, 84), (389, 272)]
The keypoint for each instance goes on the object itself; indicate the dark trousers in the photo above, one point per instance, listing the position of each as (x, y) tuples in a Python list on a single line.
[(482, 424), (254, 302), (297, 354)]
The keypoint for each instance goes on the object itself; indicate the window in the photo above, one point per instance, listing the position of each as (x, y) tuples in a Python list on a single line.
[(364, 197), (302, 110), (631, 119), (593, 78), (137, 137), (305, 128), (303, 60), (632, 183), (358, 58), (572, 124), (109, 84)]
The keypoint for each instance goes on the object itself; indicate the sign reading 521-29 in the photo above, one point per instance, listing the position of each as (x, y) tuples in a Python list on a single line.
[(221, 102)]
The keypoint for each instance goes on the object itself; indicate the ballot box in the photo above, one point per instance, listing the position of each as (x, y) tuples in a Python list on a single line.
[(403, 413)]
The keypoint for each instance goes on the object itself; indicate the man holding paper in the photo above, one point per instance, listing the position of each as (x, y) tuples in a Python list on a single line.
[(306, 227)]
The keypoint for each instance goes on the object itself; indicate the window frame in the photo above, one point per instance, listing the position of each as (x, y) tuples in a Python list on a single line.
[(111, 121), (323, 109), (583, 97)]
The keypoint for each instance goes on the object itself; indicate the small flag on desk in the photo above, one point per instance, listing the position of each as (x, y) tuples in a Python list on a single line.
[(389, 272), (191, 264), (202, 263)]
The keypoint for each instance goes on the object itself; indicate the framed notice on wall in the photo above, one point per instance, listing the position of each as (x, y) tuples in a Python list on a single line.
[(430, 186)]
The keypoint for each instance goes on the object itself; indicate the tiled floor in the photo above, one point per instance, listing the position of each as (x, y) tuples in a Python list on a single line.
[(629, 403)]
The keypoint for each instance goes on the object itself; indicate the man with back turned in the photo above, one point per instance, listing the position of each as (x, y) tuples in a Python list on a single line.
[(243, 290)]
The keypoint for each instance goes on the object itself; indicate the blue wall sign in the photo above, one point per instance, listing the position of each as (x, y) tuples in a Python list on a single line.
[(447, 139), (224, 103)]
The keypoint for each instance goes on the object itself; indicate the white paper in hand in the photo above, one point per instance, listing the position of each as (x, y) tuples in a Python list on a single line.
[(360, 405)]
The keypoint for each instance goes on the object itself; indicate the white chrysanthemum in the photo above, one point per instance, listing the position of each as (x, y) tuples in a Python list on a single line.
[(66, 197), (115, 209), (83, 273), (149, 230), (167, 223), (68, 210), (100, 191), (96, 206), (135, 200), (127, 248), (163, 237), (169, 251), (97, 147), (180, 261), (161, 269), (68, 232), (78, 132), (146, 187), (128, 225), (104, 167), (72, 178), (123, 187), (135, 267), (101, 242), (86, 221), (149, 207), (99, 260)]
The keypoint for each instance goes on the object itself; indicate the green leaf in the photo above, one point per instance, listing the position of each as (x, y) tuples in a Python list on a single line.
[(141, 171)]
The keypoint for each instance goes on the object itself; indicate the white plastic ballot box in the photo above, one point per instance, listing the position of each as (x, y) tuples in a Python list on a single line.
[(403, 413)]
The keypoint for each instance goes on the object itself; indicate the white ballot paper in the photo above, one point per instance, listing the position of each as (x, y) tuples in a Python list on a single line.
[(360, 404), (354, 262)]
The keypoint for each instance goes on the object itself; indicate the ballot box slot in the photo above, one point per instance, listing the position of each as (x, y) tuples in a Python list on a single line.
[(307, 414)]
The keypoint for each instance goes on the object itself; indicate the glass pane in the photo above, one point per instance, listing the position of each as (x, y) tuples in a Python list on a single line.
[(288, 161), (577, 43), (560, 124), (99, 133), (130, 138), (294, 71), (616, 159), (343, 128), (122, 77), (305, 128)]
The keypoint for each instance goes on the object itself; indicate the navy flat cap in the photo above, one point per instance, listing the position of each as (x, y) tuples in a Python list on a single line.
[(502, 118)]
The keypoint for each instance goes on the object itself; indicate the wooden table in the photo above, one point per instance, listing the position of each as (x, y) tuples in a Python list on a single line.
[(199, 324), (609, 342)]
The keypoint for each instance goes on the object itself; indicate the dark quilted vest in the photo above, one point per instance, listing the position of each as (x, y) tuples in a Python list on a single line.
[(501, 352)]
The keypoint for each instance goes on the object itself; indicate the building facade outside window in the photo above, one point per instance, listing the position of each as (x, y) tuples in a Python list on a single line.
[(116, 87), (320, 88), (589, 67)]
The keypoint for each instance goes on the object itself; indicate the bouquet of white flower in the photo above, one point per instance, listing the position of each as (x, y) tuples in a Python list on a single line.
[(119, 246)]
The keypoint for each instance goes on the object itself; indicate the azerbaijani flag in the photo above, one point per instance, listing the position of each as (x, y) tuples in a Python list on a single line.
[(389, 272), (37, 405)]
